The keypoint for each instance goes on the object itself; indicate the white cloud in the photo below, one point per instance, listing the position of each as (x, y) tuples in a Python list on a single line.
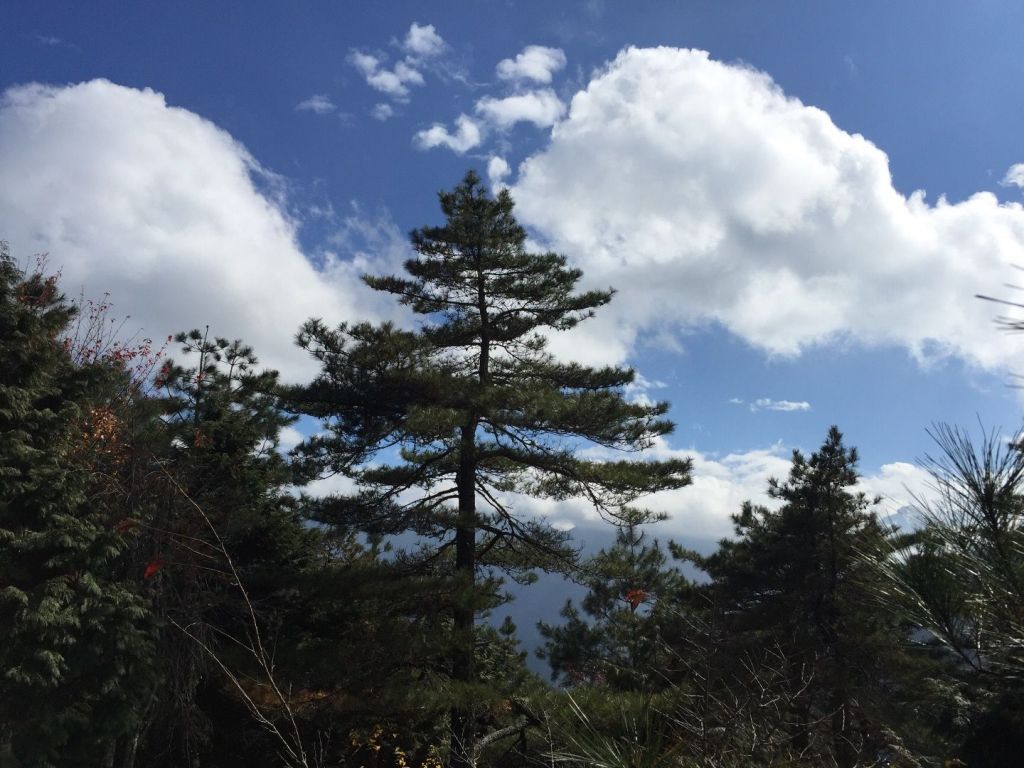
[(382, 112), (340, 485), (318, 103), (364, 62), (423, 41), (370, 243), (542, 108), (536, 62), (288, 438), (466, 136), (163, 210), (394, 82), (767, 404), (1015, 176), (898, 485), (705, 194), (638, 391), (703, 510), (497, 170)]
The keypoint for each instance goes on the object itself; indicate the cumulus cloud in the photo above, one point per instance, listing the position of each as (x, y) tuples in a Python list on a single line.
[(368, 243), (899, 485), (542, 108), (767, 404), (706, 195), (721, 484), (467, 135), (421, 44), (423, 40), (497, 170), (288, 438), (1015, 176), (701, 510), (332, 485), (318, 103), (382, 112), (394, 82), (163, 210), (638, 391), (536, 62)]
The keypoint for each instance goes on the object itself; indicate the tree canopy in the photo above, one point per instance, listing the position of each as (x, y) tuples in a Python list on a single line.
[(471, 410), (176, 591)]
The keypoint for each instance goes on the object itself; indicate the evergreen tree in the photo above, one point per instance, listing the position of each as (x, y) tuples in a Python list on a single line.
[(800, 579), (76, 642), (961, 579), (472, 407), (630, 606), (219, 490)]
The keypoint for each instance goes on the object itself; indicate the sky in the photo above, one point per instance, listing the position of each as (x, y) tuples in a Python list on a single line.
[(796, 202)]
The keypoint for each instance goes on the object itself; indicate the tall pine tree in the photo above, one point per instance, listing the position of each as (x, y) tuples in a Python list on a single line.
[(470, 408), (801, 579)]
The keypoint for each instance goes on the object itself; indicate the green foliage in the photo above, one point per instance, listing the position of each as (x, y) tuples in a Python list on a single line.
[(635, 734), (474, 408), (75, 636), (478, 362), (961, 580), (168, 596), (218, 489), (800, 579), (222, 429), (964, 574), (630, 607)]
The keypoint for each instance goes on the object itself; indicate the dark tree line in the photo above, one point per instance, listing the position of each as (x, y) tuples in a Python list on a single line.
[(170, 595)]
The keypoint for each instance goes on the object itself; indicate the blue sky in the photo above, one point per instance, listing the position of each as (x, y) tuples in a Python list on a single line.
[(744, 173)]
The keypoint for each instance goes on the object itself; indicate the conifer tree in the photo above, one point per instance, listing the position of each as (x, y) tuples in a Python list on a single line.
[(800, 579), (619, 639), (220, 490), (470, 408), (961, 579), (75, 638)]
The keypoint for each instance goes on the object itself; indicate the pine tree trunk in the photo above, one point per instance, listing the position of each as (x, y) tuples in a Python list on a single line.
[(463, 747), (463, 671)]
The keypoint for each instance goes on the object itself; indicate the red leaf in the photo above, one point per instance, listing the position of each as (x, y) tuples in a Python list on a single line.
[(634, 597), (153, 567)]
